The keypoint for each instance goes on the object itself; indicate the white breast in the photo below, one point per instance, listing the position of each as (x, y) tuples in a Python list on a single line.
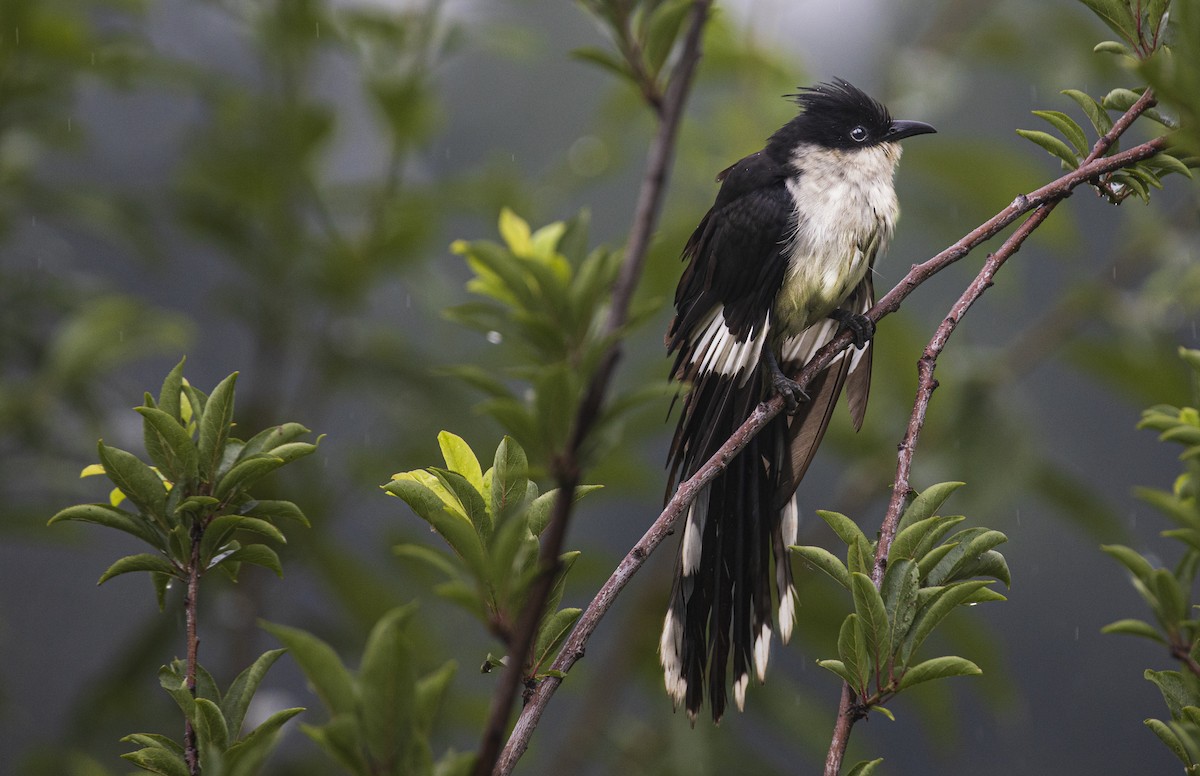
[(846, 212)]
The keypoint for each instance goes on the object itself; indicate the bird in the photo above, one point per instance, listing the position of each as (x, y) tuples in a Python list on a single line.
[(780, 265)]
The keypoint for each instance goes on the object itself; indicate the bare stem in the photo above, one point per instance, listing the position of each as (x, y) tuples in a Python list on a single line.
[(567, 464), (191, 748)]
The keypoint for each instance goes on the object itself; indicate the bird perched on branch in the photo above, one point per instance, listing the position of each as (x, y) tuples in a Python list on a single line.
[(779, 265)]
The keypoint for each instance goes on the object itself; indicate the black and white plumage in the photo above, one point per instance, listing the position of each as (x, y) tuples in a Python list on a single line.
[(780, 263)]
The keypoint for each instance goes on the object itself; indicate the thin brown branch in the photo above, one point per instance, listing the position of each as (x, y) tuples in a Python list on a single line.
[(1044, 200), (191, 747), (568, 464)]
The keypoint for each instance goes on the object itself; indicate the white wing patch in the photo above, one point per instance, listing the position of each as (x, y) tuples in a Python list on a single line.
[(718, 350)]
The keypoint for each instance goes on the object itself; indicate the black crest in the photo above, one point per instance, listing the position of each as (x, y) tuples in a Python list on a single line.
[(835, 115)]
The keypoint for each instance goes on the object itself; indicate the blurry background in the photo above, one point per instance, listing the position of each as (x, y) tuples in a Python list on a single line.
[(271, 186)]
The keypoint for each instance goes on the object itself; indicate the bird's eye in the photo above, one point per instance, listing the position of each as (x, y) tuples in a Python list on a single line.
[(858, 134)]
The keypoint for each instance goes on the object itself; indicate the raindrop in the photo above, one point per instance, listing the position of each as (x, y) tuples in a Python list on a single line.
[(68, 124), (1077, 633), (495, 337), (121, 335), (1018, 517), (1193, 328), (318, 29), (408, 301)]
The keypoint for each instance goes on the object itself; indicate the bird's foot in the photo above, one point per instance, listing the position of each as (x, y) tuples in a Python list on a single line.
[(861, 328), (782, 385)]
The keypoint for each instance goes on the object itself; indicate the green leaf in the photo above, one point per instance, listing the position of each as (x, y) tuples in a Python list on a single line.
[(141, 562), (271, 439), (839, 668), (868, 604), (938, 668), (112, 517), (553, 633), (153, 741), (461, 458), (169, 396), (241, 692), (510, 479), (169, 445), (1052, 145), (826, 561), (456, 529), (341, 738), (606, 60), (1168, 737), (214, 427), (865, 767), (1112, 47), (1177, 691), (846, 529), (537, 515), (254, 554), (932, 613), (275, 510), (852, 649), (1095, 112), (245, 473), (320, 664), (156, 760), (1171, 595), (959, 562), (387, 682), (1131, 560), (1167, 163), (245, 758), (1117, 15), (1067, 126), (909, 540), (662, 29), (927, 503), (900, 585), (211, 728), (136, 480), (469, 499)]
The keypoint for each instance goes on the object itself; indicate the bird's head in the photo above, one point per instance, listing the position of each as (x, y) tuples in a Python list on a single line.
[(840, 116)]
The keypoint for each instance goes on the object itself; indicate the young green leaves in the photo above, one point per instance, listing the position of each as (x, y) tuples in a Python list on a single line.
[(492, 521), (196, 486), (380, 718), (217, 717), (544, 301), (928, 575)]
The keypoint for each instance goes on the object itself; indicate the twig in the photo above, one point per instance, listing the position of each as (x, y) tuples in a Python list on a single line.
[(191, 747), (567, 464), (1046, 199)]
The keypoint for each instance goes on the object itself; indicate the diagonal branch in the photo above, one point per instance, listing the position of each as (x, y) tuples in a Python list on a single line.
[(568, 464), (574, 647), (1044, 201)]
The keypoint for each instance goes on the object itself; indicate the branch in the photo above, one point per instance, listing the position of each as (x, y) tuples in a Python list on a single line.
[(567, 464), (1044, 201)]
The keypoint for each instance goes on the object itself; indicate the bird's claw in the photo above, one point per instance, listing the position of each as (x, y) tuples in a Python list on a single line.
[(791, 392), (861, 328)]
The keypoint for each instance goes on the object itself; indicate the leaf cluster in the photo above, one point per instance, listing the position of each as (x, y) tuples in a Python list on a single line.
[(929, 573), (192, 502), (382, 716), (1168, 592), (644, 34), (1136, 179), (546, 293), (217, 719), (492, 521), (1140, 24)]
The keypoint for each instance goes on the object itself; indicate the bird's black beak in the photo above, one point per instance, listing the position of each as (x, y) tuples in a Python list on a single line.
[(901, 129)]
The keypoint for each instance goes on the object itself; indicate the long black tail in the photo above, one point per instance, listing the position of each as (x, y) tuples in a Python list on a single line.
[(733, 556)]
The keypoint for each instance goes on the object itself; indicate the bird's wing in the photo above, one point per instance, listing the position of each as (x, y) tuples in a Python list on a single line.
[(736, 266)]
